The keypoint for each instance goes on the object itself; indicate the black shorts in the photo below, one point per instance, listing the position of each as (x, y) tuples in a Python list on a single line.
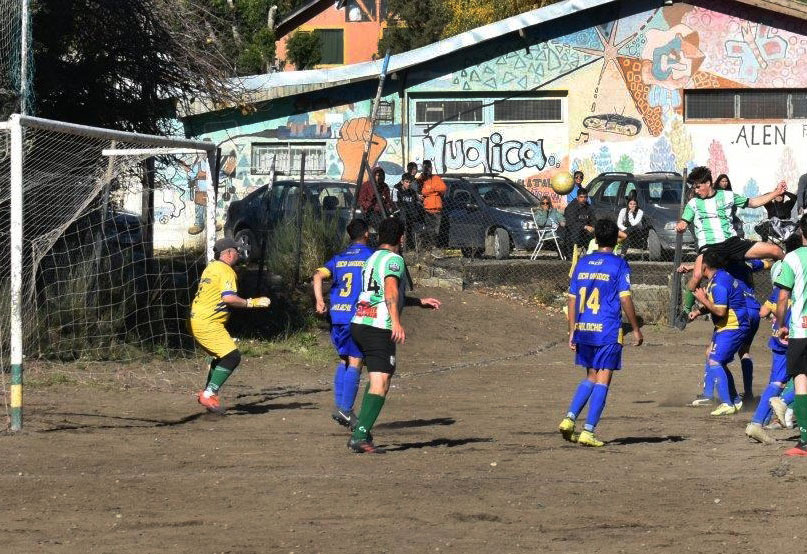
[(796, 357), (377, 346), (733, 249)]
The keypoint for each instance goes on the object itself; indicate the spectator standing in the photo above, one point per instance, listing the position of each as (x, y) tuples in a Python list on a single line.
[(801, 197), (368, 200), (412, 169), (579, 221), (432, 188), (578, 184), (408, 203)]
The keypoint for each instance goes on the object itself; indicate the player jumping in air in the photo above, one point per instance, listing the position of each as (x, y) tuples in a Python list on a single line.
[(724, 298), (792, 283), (376, 327), (344, 270), (599, 290), (710, 212), (210, 311)]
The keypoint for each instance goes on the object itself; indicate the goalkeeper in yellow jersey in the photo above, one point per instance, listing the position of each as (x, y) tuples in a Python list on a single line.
[(217, 294)]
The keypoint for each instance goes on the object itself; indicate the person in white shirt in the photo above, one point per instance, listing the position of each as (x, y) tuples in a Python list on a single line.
[(630, 219)]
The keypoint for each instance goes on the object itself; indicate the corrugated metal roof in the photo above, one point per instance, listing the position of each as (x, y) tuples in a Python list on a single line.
[(260, 88)]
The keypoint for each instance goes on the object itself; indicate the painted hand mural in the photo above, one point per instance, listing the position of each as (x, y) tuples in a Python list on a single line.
[(352, 137)]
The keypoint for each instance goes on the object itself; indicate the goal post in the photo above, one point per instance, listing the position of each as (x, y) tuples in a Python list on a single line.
[(78, 282)]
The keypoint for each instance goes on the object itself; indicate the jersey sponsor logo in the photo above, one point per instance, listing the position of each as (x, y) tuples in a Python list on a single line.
[(364, 309), (584, 275), (350, 263), (595, 262), (342, 308), (592, 327)]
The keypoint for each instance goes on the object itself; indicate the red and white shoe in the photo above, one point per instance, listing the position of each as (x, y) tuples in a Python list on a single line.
[(211, 403)]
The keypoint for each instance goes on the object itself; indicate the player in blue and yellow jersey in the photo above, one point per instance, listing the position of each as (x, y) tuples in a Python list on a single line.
[(210, 310), (725, 300), (344, 270), (778, 377), (598, 292)]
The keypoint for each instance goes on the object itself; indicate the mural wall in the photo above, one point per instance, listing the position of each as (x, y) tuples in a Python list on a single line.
[(622, 85)]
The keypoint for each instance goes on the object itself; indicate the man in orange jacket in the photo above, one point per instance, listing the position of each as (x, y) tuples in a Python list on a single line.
[(432, 188)]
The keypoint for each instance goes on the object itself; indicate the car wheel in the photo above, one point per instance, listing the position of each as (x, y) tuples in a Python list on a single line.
[(247, 244), (654, 246), (500, 244)]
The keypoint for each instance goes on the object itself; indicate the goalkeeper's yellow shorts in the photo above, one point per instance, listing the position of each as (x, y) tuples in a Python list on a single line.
[(212, 337)]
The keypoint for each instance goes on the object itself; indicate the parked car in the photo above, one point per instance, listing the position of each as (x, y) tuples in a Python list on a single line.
[(490, 213), (251, 217), (659, 196)]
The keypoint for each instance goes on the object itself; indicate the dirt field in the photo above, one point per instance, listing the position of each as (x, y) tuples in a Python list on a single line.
[(474, 465)]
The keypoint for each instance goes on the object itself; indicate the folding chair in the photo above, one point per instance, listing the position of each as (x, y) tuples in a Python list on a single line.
[(546, 235)]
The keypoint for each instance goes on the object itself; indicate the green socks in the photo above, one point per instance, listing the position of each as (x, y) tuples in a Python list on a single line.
[(689, 300), (370, 408), (217, 378), (800, 409)]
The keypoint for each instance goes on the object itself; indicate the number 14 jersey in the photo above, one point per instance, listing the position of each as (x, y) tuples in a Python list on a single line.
[(371, 309), (598, 282)]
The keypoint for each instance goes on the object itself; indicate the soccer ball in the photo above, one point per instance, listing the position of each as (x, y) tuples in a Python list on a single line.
[(562, 183)]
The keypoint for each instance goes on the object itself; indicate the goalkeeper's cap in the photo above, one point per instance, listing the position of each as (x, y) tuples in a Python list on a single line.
[(223, 244)]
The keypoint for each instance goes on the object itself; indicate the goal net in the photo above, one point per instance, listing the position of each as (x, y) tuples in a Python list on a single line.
[(113, 242)]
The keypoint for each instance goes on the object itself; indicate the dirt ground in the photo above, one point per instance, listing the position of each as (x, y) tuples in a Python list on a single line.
[(474, 465)]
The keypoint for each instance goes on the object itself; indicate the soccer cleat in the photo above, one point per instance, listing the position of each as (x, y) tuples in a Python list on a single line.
[(738, 406), (364, 446), (799, 450), (211, 403), (587, 438), (774, 425), (779, 408), (725, 409), (701, 400), (345, 419), (566, 429), (755, 431)]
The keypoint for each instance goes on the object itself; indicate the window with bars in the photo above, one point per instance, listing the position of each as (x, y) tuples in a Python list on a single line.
[(745, 104), (528, 110), (287, 157), (448, 111)]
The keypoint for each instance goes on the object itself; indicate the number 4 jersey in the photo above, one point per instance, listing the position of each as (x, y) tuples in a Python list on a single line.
[(598, 282), (371, 309), (345, 271)]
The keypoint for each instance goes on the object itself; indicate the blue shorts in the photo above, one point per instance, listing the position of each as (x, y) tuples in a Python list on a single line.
[(752, 332), (725, 344), (779, 368), (343, 341), (607, 356)]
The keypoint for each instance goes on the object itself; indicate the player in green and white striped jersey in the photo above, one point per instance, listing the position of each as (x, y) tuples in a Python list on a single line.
[(792, 283), (709, 212), (376, 326)]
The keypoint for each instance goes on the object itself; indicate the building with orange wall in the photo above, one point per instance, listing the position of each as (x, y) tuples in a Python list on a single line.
[(350, 29)]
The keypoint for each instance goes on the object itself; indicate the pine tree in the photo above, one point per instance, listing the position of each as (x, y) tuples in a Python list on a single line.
[(625, 164), (717, 159), (661, 157)]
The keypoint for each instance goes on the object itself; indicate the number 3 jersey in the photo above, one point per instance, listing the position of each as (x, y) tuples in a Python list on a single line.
[(371, 309), (598, 282), (345, 271)]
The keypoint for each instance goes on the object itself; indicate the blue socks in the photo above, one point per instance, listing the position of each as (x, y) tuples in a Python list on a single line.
[(350, 387), (721, 380), (338, 383), (596, 406), (764, 407), (708, 381), (747, 365), (579, 399)]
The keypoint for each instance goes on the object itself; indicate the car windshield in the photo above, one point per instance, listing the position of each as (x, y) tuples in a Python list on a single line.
[(500, 194), (660, 192)]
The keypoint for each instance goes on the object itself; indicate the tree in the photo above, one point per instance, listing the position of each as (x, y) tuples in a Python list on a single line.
[(469, 14), (125, 65), (304, 49), (412, 24)]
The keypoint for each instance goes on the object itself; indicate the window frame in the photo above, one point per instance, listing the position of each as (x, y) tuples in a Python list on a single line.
[(288, 167), (517, 121), (738, 94), (444, 121), (322, 32)]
